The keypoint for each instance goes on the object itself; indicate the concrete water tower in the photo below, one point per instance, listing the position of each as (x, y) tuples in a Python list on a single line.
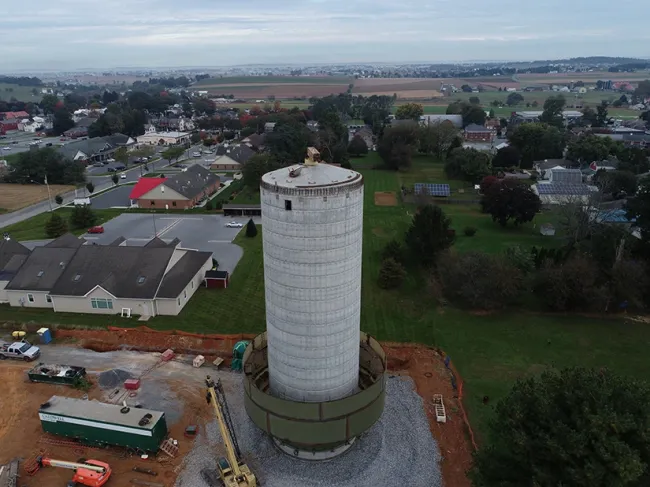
[(314, 381)]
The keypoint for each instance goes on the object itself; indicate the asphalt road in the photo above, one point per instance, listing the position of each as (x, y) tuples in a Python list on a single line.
[(18, 142), (118, 197)]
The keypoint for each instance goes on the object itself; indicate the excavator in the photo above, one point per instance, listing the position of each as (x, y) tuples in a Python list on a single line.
[(90, 473), (232, 471)]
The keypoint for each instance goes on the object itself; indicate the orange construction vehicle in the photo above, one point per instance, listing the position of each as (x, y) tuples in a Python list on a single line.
[(90, 473)]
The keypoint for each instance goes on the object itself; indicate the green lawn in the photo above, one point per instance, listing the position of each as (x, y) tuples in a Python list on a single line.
[(34, 228), (21, 93)]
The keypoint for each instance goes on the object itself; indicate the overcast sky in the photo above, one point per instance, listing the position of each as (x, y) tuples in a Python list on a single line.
[(71, 34)]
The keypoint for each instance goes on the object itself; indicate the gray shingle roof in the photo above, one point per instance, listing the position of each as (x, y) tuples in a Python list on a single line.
[(181, 273), (66, 241), (549, 163), (240, 153), (125, 272), (192, 182), (10, 269), (42, 269), (8, 248)]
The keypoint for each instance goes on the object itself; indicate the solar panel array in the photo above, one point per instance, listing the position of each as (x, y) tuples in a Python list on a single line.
[(432, 189), (564, 189)]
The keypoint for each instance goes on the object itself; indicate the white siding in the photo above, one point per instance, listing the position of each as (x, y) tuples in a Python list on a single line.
[(3, 292), (162, 192), (20, 298), (312, 273), (83, 304), (171, 307)]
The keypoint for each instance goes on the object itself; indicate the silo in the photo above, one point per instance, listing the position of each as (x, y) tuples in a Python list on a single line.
[(314, 381), (312, 221)]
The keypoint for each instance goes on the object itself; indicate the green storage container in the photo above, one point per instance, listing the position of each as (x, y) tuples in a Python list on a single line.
[(67, 375), (97, 423)]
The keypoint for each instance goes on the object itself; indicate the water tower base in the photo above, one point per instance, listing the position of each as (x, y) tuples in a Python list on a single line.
[(312, 455)]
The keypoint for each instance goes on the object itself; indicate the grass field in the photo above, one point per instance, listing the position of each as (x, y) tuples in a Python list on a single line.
[(588, 78), (21, 93), (16, 196), (230, 80), (34, 228)]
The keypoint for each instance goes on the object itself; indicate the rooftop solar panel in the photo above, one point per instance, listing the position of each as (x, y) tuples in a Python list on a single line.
[(432, 189), (564, 189)]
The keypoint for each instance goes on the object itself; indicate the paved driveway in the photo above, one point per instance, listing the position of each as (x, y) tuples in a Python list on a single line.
[(201, 232), (118, 197)]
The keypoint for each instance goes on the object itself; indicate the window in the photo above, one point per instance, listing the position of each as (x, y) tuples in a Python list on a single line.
[(152, 203), (173, 203), (185, 293), (48, 298), (178, 301), (141, 279), (76, 278), (287, 205), (30, 298), (40, 274), (101, 303)]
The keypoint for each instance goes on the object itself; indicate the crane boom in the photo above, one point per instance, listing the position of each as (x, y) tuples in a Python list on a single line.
[(49, 462), (225, 432)]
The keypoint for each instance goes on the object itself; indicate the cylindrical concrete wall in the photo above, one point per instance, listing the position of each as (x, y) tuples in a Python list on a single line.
[(312, 271)]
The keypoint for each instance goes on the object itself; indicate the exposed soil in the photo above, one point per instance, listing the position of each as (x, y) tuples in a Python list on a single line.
[(280, 90), (423, 364), (21, 435), (16, 196), (385, 198)]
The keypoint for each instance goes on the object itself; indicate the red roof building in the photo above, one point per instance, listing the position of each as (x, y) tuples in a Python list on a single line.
[(144, 185), (8, 115)]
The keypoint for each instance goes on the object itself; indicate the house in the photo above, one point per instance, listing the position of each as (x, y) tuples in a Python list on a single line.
[(565, 176), (313, 125), (365, 133), (142, 187), (183, 190), (455, 120), (164, 138), (14, 115), (547, 229), (81, 128), (155, 279), (231, 158), (477, 133), (97, 149), (12, 256), (269, 127), (493, 124), (9, 124), (255, 141), (543, 167)]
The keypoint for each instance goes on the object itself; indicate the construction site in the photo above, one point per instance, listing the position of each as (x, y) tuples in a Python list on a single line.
[(312, 401)]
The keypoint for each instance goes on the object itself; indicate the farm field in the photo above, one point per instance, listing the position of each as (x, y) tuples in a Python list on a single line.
[(278, 86), (16, 196), (265, 80), (590, 78), (20, 93)]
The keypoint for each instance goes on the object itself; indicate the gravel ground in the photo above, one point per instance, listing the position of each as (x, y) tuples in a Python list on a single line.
[(398, 450)]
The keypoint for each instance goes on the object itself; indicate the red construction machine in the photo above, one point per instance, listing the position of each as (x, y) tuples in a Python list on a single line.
[(89, 473)]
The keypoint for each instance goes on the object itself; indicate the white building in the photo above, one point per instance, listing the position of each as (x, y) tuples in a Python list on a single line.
[(164, 138)]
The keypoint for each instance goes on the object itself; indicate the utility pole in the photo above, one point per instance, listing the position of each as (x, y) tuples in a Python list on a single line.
[(153, 219), (49, 194)]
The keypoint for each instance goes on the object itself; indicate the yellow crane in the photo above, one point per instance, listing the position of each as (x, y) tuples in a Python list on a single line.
[(233, 472)]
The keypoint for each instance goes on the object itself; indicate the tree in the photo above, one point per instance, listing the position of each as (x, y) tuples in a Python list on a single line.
[(36, 165), (121, 155), (552, 114), (429, 234), (393, 250), (398, 144), (487, 182), (82, 217), (570, 285), (251, 229), (492, 113), (506, 157), (479, 280), (468, 164), (536, 141), (514, 99), (55, 226), (409, 111), (391, 274), (332, 140), (589, 148), (48, 103), (173, 153), (357, 147), (58, 199), (436, 138), (195, 138), (572, 428), (616, 182), (470, 113), (256, 167), (115, 179), (62, 121), (602, 116), (474, 100), (90, 187), (511, 200), (289, 141)]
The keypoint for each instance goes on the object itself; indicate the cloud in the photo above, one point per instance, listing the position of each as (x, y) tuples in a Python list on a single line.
[(105, 33)]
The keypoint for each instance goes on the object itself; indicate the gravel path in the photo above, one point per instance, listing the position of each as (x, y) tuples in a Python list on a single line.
[(398, 451)]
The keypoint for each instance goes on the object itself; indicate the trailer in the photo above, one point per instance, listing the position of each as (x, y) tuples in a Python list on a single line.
[(68, 375), (99, 424)]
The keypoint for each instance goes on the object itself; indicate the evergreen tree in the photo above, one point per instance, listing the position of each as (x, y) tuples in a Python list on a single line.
[(55, 226), (251, 229)]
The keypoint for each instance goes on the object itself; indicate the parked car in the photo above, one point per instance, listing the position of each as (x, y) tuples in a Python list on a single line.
[(19, 350), (111, 169), (234, 225), (110, 160), (196, 154), (123, 175), (96, 229), (6, 148)]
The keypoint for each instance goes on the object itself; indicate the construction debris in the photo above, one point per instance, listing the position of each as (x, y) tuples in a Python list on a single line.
[(198, 361), (148, 471)]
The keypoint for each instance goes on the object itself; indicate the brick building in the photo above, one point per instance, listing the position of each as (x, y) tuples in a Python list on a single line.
[(182, 191), (478, 133)]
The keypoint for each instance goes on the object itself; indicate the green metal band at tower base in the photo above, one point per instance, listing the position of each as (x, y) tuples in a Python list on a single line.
[(312, 426)]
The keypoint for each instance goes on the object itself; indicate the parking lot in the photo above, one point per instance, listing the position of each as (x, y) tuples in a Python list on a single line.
[(201, 232), (17, 141), (115, 198)]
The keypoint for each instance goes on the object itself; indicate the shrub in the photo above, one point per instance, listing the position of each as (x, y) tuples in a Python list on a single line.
[(208, 205), (393, 250), (55, 226), (59, 199), (391, 274), (218, 205), (82, 217), (470, 231), (251, 229), (479, 280)]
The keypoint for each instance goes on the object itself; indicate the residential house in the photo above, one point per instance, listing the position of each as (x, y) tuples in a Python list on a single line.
[(313, 125), (164, 138), (477, 133), (269, 127), (180, 124), (543, 167), (142, 187), (12, 256), (9, 124), (231, 158), (365, 133), (157, 279), (183, 190), (11, 115), (494, 124), (255, 141), (97, 149), (455, 120), (81, 128), (564, 185)]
